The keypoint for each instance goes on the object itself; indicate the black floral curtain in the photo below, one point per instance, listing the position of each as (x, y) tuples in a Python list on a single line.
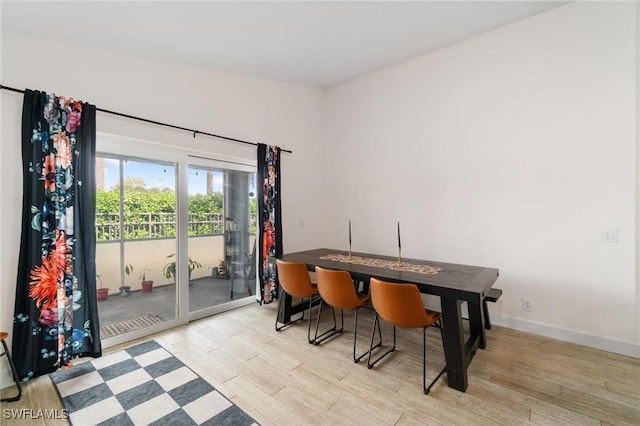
[(269, 218), (56, 312)]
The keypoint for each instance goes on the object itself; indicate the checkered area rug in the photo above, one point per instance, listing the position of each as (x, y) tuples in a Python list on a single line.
[(142, 385), (110, 330)]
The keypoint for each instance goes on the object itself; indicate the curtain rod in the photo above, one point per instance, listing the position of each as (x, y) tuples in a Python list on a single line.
[(158, 123)]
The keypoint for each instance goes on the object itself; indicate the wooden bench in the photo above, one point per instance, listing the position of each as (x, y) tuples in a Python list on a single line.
[(493, 296)]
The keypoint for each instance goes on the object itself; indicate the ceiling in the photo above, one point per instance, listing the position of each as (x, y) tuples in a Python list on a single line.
[(314, 43)]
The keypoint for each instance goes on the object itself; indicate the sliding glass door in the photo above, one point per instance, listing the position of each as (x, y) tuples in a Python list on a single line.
[(176, 237)]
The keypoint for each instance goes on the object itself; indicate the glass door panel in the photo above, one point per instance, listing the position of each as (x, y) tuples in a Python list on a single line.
[(220, 236), (136, 243)]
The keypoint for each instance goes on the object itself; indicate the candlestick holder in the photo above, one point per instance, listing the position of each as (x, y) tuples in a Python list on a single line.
[(349, 258)]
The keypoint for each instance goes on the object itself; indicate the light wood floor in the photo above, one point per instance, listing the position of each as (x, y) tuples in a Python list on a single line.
[(279, 379)]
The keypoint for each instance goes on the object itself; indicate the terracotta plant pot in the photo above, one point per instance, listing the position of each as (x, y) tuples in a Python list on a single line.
[(102, 293), (147, 286)]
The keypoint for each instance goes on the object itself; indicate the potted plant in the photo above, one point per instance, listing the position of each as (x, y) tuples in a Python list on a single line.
[(102, 293), (125, 290), (169, 270), (147, 285)]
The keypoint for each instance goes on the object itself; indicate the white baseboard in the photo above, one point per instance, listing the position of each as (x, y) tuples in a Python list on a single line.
[(580, 338)]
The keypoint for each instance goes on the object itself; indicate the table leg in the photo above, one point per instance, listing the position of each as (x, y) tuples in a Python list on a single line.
[(454, 347), (476, 323), (284, 315)]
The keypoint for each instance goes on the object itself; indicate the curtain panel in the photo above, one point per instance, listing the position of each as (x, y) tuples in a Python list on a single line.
[(56, 312), (269, 219)]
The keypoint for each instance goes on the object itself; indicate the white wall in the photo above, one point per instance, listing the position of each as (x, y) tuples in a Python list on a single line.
[(253, 109), (514, 150)]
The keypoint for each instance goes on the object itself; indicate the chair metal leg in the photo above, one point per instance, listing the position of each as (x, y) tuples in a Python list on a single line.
[(357, 359), (330, 332), (376, 322), (14, 373), (311, 301), (280, 297), (309, 321), (427, 389), (370, 364)]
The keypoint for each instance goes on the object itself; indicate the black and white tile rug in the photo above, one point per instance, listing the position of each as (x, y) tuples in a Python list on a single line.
[(141, 385)]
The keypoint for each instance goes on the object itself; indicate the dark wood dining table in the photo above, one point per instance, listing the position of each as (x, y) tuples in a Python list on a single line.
[(455, 284)]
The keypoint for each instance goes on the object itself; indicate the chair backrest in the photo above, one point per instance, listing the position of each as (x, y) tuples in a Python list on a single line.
[(337, 289), (399, 304), (294, 278)]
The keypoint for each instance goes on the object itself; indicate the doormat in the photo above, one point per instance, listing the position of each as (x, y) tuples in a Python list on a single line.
[(115, 329), (144, 384)]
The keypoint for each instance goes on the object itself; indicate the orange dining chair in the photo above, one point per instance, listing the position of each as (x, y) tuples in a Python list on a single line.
[(401, 305), (337, 290), (295, 281)]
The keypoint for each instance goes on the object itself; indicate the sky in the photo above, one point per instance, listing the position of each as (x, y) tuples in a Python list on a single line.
[(159, 176)]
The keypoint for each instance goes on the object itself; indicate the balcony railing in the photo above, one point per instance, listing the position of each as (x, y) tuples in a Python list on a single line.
[(139, 226)]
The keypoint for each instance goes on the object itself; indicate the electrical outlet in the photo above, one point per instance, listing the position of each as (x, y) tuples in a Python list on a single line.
[(609, 236), (527, 305)]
